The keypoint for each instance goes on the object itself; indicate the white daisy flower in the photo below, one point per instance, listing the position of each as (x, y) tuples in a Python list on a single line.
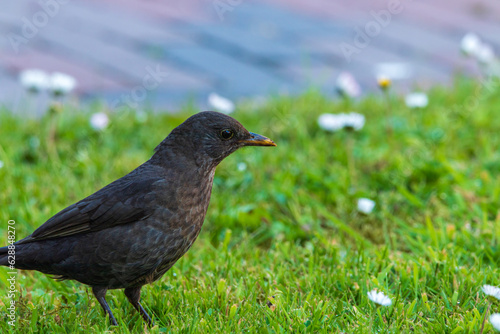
[(61, 84), (495, 321), (353, 120), (220, 103), (379, 298), (491, 290), (1, 164), (141, 116), (347, 85), (335, 122), (365, 205), (383, 81), (242, 166), (416, 100), (99, 121), (485, 54), (470, 44), (34, 80), (331, 122)]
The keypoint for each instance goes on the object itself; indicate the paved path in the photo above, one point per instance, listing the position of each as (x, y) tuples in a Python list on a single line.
[(168, 52)]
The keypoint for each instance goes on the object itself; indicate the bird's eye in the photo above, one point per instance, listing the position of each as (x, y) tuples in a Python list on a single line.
[(226, 134)]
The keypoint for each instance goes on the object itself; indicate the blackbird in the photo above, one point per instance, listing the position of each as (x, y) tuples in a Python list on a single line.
[(133, 230)]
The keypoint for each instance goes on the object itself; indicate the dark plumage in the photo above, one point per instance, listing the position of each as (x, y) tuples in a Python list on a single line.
[(132, 231)]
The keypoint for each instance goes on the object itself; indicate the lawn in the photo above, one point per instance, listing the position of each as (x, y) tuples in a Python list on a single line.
[(284, 248)]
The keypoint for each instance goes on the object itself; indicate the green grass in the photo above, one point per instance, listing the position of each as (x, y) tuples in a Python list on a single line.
[(283, 248)]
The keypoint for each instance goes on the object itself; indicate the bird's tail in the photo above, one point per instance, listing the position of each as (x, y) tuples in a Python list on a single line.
[(4, 256)]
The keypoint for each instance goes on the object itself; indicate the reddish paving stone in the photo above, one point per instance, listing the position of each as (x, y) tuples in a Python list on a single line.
[(125, 27), (321, 8), (478, 9), (126, 64), (236, 77), (177, 10), (442, 17), (453, 23)]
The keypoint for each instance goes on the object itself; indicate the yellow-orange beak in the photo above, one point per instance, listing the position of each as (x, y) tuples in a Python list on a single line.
[(258, 140)]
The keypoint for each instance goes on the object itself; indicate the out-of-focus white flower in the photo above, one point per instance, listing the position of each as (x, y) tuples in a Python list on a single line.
[(331, 122), (365, 205), (34, 80), (470, 44), (1, 164), (393, 71), (61, 83), (141, 116), (220, 103), (347, 85), (335, 122), (416, 100), (353, 120), (491, 290), (379, 298), (485, 54), (242, 166), (99, 121), (495, 321)]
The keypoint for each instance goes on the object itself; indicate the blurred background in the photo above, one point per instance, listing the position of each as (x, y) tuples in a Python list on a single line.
[(378, 182), (165, 54)]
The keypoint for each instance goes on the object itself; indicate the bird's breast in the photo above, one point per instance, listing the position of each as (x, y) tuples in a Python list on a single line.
[(193, 198), (183, 216)]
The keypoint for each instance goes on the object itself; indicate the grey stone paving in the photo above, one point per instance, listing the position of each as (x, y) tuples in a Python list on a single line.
[(254, 48)]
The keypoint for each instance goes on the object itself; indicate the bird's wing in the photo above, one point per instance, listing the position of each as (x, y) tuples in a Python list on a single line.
[(123, 201)]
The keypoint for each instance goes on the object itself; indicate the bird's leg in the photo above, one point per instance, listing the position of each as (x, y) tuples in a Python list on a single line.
[(133, 296), (100, 294)]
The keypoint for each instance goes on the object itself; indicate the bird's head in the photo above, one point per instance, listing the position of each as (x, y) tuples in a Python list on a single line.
[(209, 137)]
